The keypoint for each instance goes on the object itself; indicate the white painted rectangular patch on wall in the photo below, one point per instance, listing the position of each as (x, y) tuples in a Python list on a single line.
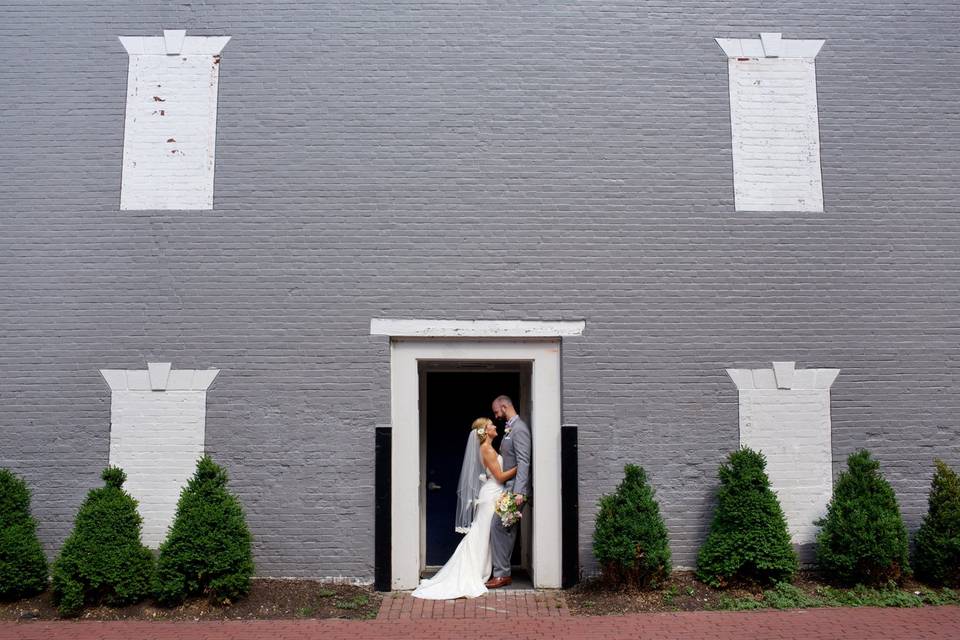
[(785, 414), (169, 139), (157, 432), (774, 123)]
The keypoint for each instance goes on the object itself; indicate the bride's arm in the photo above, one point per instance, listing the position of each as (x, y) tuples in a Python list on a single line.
[(493, 465)]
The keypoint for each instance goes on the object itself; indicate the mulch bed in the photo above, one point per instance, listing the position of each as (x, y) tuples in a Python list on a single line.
[(681, 592), (268, 599), (291, 599)]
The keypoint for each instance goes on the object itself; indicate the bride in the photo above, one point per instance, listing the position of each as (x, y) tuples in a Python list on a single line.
[(481, 482)]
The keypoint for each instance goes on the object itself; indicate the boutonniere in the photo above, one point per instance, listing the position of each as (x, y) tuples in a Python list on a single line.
[(507, 431)]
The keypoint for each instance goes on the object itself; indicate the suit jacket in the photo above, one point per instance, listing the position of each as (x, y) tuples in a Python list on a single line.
[(516, 448)]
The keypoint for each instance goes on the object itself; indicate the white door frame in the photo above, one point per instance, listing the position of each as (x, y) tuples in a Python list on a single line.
[(544, 356), (524, 408)]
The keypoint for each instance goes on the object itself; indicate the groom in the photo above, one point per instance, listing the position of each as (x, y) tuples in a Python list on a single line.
[(515, 450)]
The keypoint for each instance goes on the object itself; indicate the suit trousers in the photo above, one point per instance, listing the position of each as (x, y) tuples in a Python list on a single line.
[(502, 541)]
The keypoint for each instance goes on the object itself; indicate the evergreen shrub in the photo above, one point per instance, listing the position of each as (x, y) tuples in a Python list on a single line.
[(630, 537), (862, 539), (23, 567), (208, 548), (748, 540), (102, 560), (937, 552)]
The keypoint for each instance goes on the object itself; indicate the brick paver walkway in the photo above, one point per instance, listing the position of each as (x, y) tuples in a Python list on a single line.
[(514, 603), (929, 623)]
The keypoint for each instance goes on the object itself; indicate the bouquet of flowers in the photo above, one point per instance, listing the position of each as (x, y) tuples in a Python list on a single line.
[(507, 508)]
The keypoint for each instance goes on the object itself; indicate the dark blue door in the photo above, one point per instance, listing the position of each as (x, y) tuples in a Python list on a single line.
[(454, 399)]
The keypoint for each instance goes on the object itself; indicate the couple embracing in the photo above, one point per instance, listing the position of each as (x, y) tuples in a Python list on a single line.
[(484, 477)]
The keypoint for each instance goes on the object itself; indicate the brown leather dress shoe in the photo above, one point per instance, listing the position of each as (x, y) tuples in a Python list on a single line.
[(496, 583)]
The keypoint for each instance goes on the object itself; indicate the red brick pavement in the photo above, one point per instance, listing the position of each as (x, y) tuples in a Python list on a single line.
[(496, 604), (929, 623)]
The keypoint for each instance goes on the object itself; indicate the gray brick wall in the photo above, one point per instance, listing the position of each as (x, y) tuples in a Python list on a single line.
[(490, 160)]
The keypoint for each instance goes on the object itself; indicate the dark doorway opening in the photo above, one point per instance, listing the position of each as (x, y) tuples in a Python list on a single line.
[(452, 396)]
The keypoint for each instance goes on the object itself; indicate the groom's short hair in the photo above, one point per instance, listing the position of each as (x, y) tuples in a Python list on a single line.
[(504, 400)]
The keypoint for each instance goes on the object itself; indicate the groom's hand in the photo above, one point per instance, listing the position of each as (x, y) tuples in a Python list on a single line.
[(520, 499)]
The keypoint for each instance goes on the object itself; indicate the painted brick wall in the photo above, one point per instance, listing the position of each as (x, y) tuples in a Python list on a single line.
[(775, 135), (170, 122), (490, 160), (157, 424), (156, 437), (797, 451), (785, 414)]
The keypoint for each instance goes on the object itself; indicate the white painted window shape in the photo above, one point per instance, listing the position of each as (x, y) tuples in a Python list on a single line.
[(785, 414), (169, 140), (157, 425), (774, 122)]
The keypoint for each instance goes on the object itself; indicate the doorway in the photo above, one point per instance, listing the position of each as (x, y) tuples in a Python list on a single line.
[(452, 396), (409, 446)]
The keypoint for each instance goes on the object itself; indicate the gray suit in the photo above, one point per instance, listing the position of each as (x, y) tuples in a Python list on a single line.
[(515, 448)]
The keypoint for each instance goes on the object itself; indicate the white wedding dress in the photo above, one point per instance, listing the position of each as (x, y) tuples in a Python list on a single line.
[(464, 574)]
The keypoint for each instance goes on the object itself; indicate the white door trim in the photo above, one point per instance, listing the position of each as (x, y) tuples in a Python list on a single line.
[(406, 489), (475, 328)]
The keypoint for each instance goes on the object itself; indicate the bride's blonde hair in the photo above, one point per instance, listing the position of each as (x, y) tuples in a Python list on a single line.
[(480, 428)]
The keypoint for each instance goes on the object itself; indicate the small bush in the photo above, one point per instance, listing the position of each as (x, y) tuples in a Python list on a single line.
[(208, 547), (937, 553), (630, 538), (23, 567), (352, 603), (941, 596), (748, 540), (862, 539), (786, 596), (726, 603), (889, 595), (103, 560)]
